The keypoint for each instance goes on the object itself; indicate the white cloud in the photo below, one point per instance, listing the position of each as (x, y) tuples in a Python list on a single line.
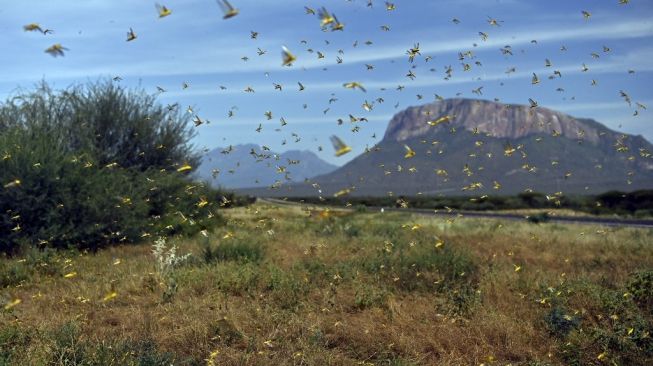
[(593, 106), (617, 30), (292, 121), (207, 56)]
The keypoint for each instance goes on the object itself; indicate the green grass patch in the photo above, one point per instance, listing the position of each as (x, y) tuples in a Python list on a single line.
[(246, 249)]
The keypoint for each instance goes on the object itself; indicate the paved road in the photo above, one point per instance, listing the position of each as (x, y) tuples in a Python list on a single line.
[(591, 220)]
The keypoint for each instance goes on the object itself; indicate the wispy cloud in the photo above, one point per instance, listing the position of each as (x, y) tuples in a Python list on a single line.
[(614, 30), (293, 121), (593, 106), (207, 56), (637, 59)]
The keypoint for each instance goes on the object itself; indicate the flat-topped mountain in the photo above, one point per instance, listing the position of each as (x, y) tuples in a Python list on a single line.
[(498, 120), (465, 146)]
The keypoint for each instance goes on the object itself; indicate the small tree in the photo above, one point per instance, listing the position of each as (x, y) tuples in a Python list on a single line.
[(94, 165), (110, 122)]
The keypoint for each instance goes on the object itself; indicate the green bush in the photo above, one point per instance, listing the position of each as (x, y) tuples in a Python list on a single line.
[(641, 288), (105, 121), (95, 165), (559, 322)]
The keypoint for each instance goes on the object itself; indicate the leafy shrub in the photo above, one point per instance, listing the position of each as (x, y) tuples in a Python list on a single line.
[(559, 322), (95, 165), (641, 288), (107, 122)]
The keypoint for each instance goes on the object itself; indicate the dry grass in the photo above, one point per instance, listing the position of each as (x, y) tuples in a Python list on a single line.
[(299, 287)]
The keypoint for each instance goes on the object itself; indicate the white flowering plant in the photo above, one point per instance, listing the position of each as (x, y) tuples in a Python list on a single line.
[(166, 258), (166, 261)]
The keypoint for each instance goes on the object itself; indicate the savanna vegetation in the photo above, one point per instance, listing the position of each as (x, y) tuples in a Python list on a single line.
[(627, 204), (299, 286), (94, 165)]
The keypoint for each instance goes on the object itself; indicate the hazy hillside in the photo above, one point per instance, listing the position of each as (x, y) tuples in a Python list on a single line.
[(251, 166)]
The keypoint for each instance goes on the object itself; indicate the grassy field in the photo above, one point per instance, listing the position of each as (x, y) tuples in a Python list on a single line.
[(292, 286)]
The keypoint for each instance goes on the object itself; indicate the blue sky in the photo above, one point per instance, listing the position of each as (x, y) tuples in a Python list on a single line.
[(196, 46)]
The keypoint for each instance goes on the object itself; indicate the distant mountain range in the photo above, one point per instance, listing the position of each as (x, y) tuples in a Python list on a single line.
[(465, 146), (249, 165)]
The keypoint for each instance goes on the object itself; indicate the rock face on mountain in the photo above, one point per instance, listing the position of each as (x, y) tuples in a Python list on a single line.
[(483, 147), (249, 165), (494, 119)]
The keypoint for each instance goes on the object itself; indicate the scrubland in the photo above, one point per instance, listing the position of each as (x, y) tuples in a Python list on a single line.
[(301, 286)]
